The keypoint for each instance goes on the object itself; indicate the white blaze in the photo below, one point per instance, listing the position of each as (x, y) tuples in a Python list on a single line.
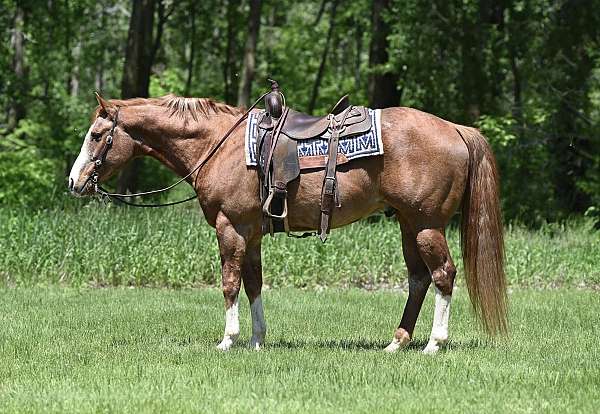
[(83, 158)]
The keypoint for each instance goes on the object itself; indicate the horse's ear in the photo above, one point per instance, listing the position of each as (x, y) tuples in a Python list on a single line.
[(104, 104)]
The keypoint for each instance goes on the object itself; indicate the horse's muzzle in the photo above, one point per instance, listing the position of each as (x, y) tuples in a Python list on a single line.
[(79, 190)]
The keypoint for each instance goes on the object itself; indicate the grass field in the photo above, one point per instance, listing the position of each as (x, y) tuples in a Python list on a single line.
[(107, 246), (153, 350), (141, 346)]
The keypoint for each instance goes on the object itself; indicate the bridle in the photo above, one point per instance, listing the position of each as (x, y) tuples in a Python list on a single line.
[(99, 157)]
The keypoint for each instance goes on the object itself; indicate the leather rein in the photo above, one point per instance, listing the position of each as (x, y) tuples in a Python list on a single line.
[(100, 156)]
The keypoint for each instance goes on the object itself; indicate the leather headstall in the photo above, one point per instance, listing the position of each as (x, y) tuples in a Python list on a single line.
[(99, 155)]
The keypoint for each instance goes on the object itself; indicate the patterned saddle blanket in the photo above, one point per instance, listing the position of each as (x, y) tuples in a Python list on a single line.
[(312, 153)]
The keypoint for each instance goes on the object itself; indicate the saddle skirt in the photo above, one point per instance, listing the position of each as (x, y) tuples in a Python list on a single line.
[(312, 151)]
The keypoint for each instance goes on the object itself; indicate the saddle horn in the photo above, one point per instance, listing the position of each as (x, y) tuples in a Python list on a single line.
[(274, 100)]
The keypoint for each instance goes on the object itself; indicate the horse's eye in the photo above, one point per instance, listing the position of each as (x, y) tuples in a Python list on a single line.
[(96, 136)]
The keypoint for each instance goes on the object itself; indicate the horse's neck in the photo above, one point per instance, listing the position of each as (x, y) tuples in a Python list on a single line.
[(177, 142)]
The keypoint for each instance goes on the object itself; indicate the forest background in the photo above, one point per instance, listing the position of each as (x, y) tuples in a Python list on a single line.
[(525, 72)]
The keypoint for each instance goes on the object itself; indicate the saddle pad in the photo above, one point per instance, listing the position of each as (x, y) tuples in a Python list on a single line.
[(312, 153)]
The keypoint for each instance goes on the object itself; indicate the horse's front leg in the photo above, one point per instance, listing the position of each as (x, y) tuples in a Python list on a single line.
[(252, 277), (232, 247)]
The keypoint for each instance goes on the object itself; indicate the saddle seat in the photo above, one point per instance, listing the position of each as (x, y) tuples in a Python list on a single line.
[(299, 125), (280, 129)]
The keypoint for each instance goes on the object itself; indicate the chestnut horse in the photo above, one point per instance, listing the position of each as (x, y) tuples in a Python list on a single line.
[(430, 168)]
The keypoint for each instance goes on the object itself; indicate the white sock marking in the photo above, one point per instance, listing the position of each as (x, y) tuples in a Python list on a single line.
[(439, 329), (232, 326)]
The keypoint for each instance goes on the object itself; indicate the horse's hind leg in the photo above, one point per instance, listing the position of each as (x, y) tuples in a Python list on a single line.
[(252, 277), (433, 249), (419, 279)]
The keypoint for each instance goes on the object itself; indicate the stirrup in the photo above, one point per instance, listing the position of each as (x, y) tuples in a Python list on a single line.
[(267, 207)]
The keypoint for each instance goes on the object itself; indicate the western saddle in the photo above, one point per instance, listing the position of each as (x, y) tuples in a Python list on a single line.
[(279, 130)]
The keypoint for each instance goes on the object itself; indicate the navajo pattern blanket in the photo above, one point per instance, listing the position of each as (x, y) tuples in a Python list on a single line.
[(312, 153)]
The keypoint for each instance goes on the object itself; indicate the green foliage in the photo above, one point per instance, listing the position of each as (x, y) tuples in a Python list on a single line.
[(106, 245), (526, 72), (153, 350), (498, 130), (27, 177)]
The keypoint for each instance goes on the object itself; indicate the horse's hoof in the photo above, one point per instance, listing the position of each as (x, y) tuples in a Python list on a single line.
[(395, 345), (392, 347), (225, 344), (401, 339), (256, 344), (432, 347)]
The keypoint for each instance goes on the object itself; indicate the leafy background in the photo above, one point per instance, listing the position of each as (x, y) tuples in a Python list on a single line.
[(526, 72)]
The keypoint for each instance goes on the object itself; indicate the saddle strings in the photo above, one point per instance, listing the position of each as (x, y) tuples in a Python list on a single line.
[(199, 165)]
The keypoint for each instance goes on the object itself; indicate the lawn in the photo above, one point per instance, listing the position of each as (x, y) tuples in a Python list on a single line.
[(153, 350), (106, 309)]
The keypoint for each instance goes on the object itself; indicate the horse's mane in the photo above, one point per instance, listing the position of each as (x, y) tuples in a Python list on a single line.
[(179, 106)]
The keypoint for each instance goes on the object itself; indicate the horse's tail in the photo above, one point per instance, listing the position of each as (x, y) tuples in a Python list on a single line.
[(481, 235)]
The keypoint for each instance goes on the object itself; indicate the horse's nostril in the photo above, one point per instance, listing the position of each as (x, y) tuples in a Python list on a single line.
[(71, 184)]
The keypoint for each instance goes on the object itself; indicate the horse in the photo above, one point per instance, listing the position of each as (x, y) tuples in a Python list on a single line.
[(429, 169)]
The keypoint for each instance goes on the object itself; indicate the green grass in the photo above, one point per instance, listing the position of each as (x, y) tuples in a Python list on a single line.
[(152, 350), (67, 348), (103, 245)]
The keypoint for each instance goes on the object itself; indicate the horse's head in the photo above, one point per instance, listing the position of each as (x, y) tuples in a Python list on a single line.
[(106, 148)]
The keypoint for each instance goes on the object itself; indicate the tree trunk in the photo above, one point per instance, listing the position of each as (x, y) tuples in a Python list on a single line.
[(138, 54), (99, 67), (517, 110), (190, 65), (476, 81), (229, 52), (383, 85), (75, 70), (136, 72), (50, 9), (573, 131), (249, 67), (358, 38), (315, 92), (17, 109)]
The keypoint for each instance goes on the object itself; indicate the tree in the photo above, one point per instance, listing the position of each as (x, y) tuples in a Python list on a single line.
[(17, 108), (249, 65), (140, 54), (383, 83), (324, 55)]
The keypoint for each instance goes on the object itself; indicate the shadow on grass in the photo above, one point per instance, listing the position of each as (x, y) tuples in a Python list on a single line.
[(371, 345)]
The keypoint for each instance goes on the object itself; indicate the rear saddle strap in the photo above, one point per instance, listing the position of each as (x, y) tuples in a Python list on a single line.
[(330, 193)]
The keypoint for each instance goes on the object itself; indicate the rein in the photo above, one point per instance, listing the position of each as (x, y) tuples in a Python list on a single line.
[(107, 143)]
